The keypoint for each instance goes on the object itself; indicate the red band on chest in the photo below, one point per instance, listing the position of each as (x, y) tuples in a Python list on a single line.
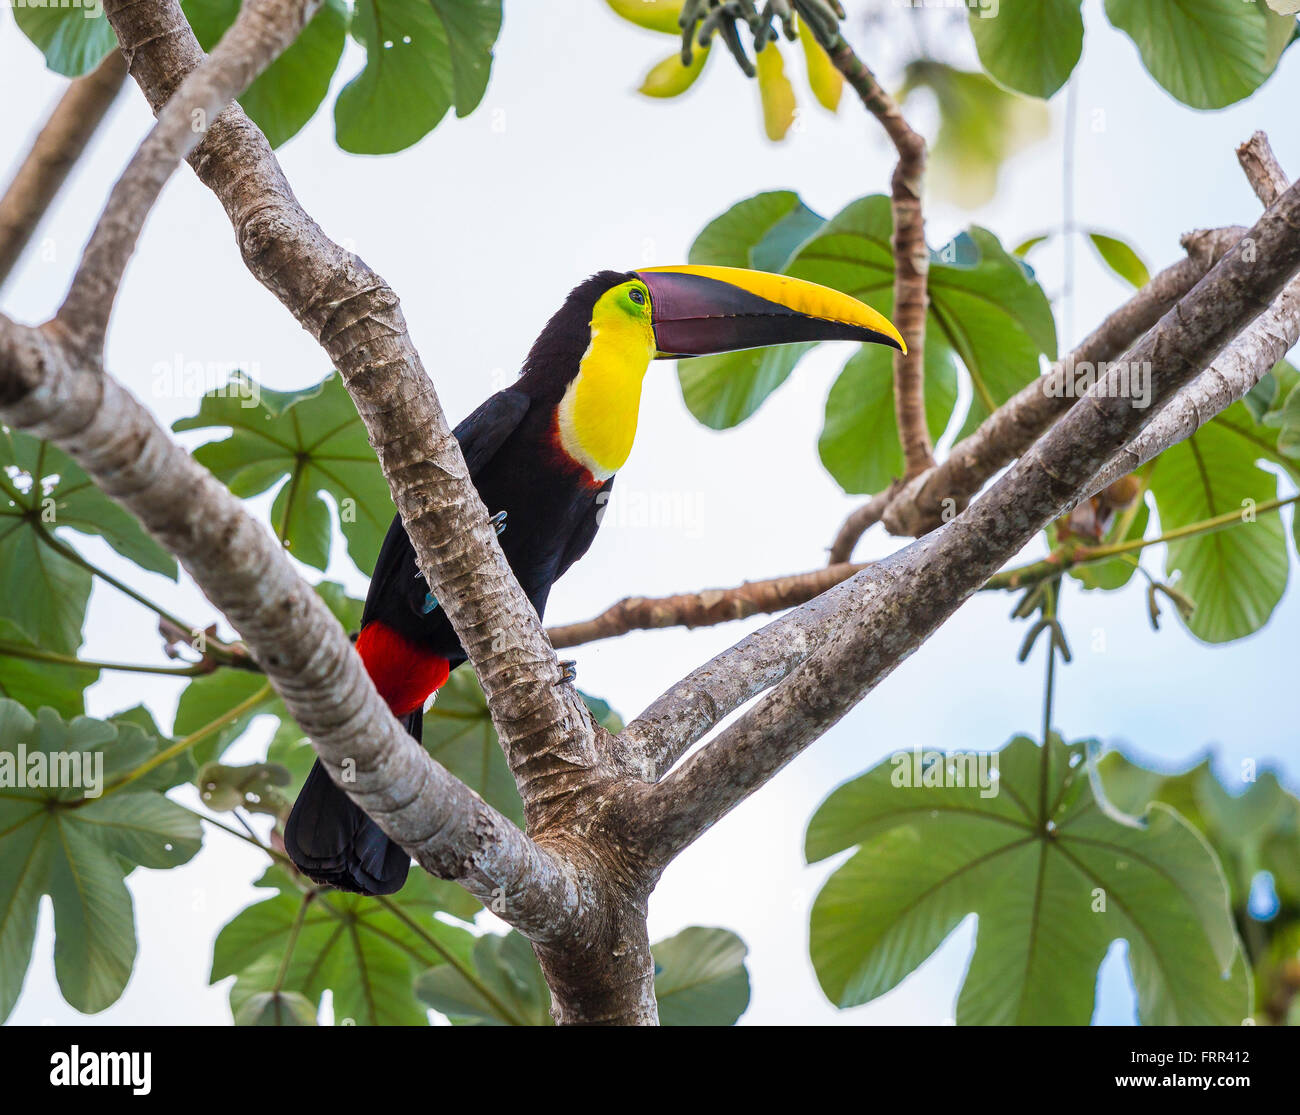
[(403, 672)]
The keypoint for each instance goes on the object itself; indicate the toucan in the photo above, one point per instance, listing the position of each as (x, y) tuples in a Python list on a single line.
[(543, 454)]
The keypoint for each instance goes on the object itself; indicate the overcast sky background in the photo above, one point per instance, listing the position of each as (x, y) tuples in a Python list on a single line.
[(482, 229)]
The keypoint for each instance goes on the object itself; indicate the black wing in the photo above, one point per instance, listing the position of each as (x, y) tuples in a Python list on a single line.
[(394, 579), (580, 540)]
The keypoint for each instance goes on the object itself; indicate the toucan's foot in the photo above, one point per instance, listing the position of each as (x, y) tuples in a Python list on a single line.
[(430, 604), (499, 521), (568, 672)]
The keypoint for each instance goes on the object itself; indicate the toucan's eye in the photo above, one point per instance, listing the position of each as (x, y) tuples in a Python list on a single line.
[(637, 296)]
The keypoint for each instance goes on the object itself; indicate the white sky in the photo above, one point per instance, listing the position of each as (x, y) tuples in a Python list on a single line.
[(482, 229)]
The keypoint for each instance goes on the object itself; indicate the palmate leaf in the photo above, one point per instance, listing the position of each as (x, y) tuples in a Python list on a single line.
[(1052, 887), (309, 441), (366, 951), (1235, 576), (1247, 830), (42, 492), (422, 57), (292, 88), (1031, 46), (700, 980), (78, 850), (35, 684)]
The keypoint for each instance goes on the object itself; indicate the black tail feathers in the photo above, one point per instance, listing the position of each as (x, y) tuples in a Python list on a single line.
[(331, 840)]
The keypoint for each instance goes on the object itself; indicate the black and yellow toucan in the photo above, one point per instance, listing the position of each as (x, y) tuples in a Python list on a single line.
[(542, 454)]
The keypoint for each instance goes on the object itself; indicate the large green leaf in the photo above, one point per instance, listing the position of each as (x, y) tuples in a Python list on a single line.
[(859, 443), (57, 840), (42, 490), (309, 441), (700, 978), (292, 88), (985, 305), (1031, 46), (74, 40), (1207, 53), (422, 57), (366, 951), (34, 684), (761, 233), (1053, 879), (1242, 828), (1235, 575), (502, 986)]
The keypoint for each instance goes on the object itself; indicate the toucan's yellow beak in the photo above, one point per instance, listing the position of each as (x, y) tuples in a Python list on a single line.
[(697, 311)]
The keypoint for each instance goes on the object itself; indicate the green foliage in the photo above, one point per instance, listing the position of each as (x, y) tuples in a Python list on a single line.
[(309, 442), (73, 40), (43, 589), (1255, 831), (33, 683), (422, 57), (700, 980), (1053, 879), (78, 849), (1030, 46), (1121, 257), (980, 126), (987, 312), (1206, 53), (236, 697), (367, 951), (1235, 576), (289, 92), (501, 986)]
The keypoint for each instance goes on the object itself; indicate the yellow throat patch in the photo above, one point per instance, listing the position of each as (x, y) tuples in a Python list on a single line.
[(598, 413)]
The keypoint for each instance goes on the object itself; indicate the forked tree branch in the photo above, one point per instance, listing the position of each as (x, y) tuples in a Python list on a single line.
[(54, 153), (52, 385), (916, 589), (545, 729)]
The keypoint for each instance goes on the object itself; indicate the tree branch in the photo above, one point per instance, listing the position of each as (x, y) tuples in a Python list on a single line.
[(53, 155), (916, 589), (702, 609), (940, 493), (260, 33), (48, 389), (911, 253), (545, 729)]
